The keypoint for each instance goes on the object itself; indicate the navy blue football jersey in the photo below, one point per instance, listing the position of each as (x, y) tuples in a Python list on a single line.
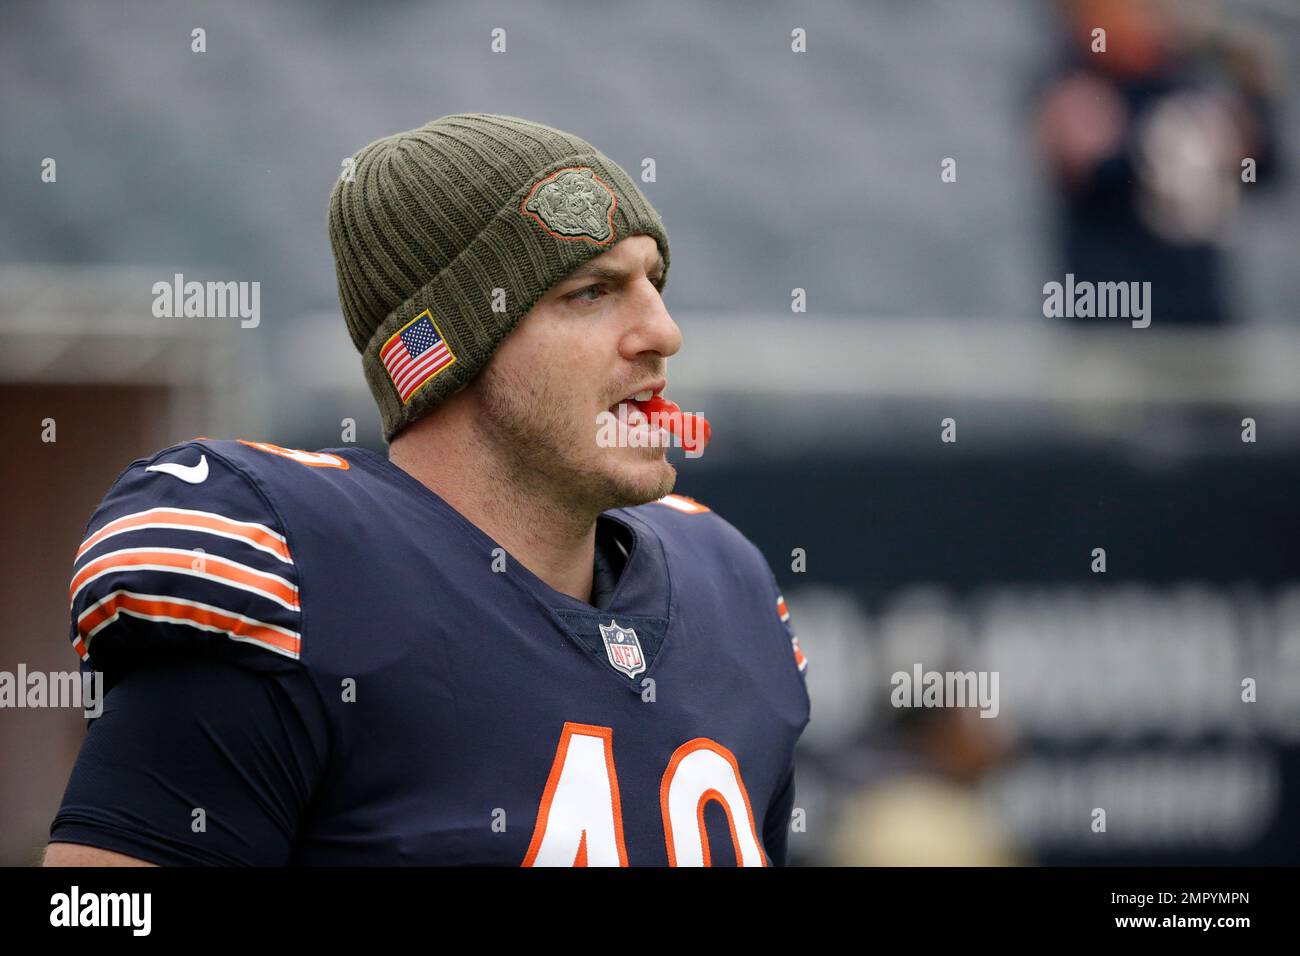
[(314, 660)]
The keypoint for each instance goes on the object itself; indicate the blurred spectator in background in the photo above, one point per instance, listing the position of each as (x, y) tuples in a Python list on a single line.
[(1145, 140), (924, 808)]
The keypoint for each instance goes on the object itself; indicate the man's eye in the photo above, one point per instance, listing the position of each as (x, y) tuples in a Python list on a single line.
[(582, 293)]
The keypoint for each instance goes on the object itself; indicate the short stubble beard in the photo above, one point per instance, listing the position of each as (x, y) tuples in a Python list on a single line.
[(530, 436)]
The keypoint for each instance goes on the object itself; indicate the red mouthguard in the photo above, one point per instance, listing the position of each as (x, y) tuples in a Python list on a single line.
[(694, 434)]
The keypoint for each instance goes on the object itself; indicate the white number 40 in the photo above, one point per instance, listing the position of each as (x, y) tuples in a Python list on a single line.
[(580, 821)]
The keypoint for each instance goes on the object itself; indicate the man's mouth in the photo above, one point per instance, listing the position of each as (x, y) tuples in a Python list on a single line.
[(637, 399), (647, 408)]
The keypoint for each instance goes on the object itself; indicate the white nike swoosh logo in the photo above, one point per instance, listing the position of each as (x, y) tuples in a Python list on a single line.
[(194, 474)]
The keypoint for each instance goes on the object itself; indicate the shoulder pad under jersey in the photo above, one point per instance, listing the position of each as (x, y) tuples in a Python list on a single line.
[(718, 544), (185, 556)]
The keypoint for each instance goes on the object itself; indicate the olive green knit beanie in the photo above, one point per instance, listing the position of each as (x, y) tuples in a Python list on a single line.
[(446, 235)]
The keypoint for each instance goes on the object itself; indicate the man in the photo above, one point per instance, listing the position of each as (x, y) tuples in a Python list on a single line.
[(1145, 144), (504, 644)]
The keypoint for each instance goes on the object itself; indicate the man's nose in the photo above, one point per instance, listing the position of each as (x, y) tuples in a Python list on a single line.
[(653, 329)]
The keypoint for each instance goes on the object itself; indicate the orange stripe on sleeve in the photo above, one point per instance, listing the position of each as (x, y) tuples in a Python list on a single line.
[(158, 608), (208, 566), (255, 534)]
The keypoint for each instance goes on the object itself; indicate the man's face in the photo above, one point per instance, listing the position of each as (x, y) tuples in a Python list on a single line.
[(596, 338)]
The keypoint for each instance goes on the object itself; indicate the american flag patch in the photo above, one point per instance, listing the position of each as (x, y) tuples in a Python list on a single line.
[(415, 354)]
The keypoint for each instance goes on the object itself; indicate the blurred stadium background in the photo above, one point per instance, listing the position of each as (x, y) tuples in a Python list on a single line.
[(774, 171)]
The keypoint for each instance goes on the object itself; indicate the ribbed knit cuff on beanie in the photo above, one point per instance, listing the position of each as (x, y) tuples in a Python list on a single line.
[(430, 223)]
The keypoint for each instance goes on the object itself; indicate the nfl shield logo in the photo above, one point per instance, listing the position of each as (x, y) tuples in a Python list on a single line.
[(623, 648)]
